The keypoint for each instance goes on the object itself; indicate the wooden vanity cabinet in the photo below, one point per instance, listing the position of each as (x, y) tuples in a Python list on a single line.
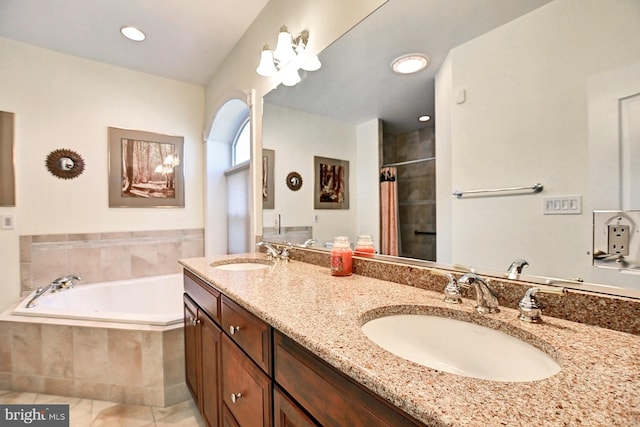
[(228, 358), (242, 373)]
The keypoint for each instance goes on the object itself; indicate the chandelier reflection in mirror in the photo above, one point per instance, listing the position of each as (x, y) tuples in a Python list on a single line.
[(290, 56)]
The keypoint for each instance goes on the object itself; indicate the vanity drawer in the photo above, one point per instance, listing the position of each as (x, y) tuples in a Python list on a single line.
[(207, 297), (328, 395), (250, 333), (246, 389)]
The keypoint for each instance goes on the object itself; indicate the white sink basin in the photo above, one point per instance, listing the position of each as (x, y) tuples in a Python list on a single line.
[(242, 265), (461, 348)]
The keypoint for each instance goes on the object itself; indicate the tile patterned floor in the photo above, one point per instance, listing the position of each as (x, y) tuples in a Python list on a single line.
[(97, 413)]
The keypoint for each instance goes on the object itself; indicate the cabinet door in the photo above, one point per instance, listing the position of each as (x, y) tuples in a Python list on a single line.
[(287, 414), (191, 348), (210, 335), (246, 389)]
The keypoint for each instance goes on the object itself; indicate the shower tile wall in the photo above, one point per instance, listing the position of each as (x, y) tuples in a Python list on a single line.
[(98, 257), (416, 190)]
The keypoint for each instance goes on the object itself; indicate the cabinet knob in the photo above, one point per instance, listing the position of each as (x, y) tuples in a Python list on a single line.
[(235, 397), (195, 321), (234, 329)]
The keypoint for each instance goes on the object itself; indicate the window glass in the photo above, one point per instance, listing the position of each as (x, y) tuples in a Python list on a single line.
[(242, 145)]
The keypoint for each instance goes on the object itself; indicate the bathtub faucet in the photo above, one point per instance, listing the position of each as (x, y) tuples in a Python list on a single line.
[(64, 282), (58, 284)]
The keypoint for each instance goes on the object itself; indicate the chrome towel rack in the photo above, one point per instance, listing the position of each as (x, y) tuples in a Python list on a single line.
[(536, 188)]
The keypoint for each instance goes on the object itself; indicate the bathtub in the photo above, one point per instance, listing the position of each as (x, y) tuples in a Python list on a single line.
[(120, 341), (155, 300)]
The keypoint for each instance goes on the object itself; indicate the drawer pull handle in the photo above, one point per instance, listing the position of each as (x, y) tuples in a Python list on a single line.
[(234, 329), (235, 397)]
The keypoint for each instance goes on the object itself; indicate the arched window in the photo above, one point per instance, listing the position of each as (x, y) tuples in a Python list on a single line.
[(241, 148)]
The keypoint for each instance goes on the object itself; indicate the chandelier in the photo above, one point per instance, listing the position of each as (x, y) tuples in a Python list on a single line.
[(290, 56)]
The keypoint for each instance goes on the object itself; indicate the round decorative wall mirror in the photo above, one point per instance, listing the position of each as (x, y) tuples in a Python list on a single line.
[(65, 164), (294, 181)]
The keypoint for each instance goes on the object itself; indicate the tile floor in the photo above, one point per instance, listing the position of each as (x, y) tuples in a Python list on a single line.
[(98, 413)]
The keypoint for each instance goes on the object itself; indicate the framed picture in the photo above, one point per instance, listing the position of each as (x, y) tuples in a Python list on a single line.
[(268, 159), (145, 169), (331, 190)]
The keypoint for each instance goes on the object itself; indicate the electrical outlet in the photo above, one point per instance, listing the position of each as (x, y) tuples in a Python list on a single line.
[(619, 239)]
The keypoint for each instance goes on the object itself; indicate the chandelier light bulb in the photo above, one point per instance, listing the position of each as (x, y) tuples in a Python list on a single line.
[(284, 50), (267, 67), (290, 76)]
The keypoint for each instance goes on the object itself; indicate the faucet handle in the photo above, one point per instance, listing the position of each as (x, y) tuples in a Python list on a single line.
[(70, 280), (452, 292), (530, 308), (284, 253), (515, 269)]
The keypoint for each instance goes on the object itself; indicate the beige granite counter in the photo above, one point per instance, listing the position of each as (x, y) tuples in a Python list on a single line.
[(599, 383)]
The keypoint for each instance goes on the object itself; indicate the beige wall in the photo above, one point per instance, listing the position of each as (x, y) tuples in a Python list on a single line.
[(62, 101)]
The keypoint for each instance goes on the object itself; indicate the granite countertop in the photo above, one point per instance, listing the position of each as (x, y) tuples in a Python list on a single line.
[(599, 381)]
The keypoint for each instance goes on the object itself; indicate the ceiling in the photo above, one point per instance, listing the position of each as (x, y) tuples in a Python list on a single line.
[(356, 84), (186, 40)]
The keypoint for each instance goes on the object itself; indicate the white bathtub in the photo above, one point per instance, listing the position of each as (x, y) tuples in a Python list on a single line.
[(155, 300)]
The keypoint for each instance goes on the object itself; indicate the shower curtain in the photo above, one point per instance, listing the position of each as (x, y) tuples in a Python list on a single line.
[(389, 215)]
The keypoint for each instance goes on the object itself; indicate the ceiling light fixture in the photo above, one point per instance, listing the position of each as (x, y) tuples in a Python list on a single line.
[(132, 33), (409, 64), (424, 118), (291, 54)]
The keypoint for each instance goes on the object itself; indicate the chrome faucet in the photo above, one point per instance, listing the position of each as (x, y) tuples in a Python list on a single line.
[(486, 299), (64, 282), (515, 269), (271, 251), (308, 243)]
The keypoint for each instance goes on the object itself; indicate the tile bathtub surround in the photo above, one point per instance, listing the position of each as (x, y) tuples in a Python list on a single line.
[(616, 313), (144, 367), (99, 257)]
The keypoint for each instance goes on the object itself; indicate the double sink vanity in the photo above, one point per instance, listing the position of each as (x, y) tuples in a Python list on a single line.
[(279, 343)]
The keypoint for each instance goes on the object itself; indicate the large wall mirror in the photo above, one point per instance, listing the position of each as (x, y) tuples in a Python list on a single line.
[(519, 93), (7, 173)]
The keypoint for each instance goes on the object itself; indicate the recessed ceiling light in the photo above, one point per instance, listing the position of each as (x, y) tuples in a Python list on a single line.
[(424, 118), (409, 64), (132, 33)]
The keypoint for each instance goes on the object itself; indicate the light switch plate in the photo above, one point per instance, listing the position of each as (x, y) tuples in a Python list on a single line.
[(562, 205), (8, 222)]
